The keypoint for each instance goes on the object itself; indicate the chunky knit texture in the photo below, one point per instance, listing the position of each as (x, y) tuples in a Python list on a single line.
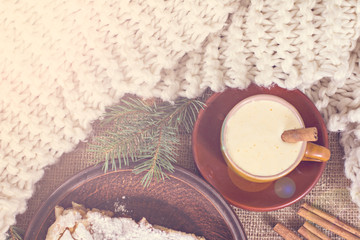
[(63, 62)]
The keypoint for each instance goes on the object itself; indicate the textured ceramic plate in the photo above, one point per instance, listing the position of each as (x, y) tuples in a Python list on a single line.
[(241, 193), (183, 202)]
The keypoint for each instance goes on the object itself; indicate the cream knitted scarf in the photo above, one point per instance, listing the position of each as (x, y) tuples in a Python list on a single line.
[(63, 62)]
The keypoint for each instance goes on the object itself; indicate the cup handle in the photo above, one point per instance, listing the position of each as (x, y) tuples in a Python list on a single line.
[(316, 153)]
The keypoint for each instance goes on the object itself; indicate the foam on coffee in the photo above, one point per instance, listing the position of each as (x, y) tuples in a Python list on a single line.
[(252, 137)]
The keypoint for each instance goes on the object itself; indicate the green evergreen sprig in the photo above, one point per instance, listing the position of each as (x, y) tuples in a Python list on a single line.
[(15, 233), (147, 132)]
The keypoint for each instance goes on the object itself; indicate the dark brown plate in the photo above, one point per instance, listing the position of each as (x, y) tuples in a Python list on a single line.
[(183, 202), (241, 193)]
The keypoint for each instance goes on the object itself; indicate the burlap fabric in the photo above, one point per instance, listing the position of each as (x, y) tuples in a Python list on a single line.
[(331, 193), (63, 62)]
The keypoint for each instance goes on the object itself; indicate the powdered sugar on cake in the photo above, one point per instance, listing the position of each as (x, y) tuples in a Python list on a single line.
[(80, 224)]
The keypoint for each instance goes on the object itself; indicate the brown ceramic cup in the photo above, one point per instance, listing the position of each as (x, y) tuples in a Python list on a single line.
[(305, 151)]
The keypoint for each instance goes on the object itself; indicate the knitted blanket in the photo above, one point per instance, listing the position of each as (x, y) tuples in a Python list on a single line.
[(63, 62)]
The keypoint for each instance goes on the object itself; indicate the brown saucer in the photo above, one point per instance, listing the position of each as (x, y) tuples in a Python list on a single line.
[(239, 192)]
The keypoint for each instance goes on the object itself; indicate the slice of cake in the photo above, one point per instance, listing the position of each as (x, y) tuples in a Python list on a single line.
[(80, 223)]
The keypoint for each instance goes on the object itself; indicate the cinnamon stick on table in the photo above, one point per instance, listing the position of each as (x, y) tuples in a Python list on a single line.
[(301, 134), (328, 222), (332, 219), (314, 230), (307, 234), (286, 233)]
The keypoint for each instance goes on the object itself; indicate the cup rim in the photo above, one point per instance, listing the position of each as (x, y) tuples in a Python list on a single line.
[(234, 166)]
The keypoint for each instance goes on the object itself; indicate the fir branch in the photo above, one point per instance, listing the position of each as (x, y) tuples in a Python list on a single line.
[(15, 233), (124, 145), (162, 149), (127, 109), (145, 131), (125, 141), (186, 113)]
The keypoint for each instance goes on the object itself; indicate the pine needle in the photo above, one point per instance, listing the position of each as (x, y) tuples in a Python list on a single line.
[(145, 133), (15, 233)]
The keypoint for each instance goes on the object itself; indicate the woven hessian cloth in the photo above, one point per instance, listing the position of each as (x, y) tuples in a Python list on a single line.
[(63, 62), (330, 194)]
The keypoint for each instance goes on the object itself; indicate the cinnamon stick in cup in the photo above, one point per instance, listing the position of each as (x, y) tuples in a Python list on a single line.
[(301, 134), (313, 152)]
